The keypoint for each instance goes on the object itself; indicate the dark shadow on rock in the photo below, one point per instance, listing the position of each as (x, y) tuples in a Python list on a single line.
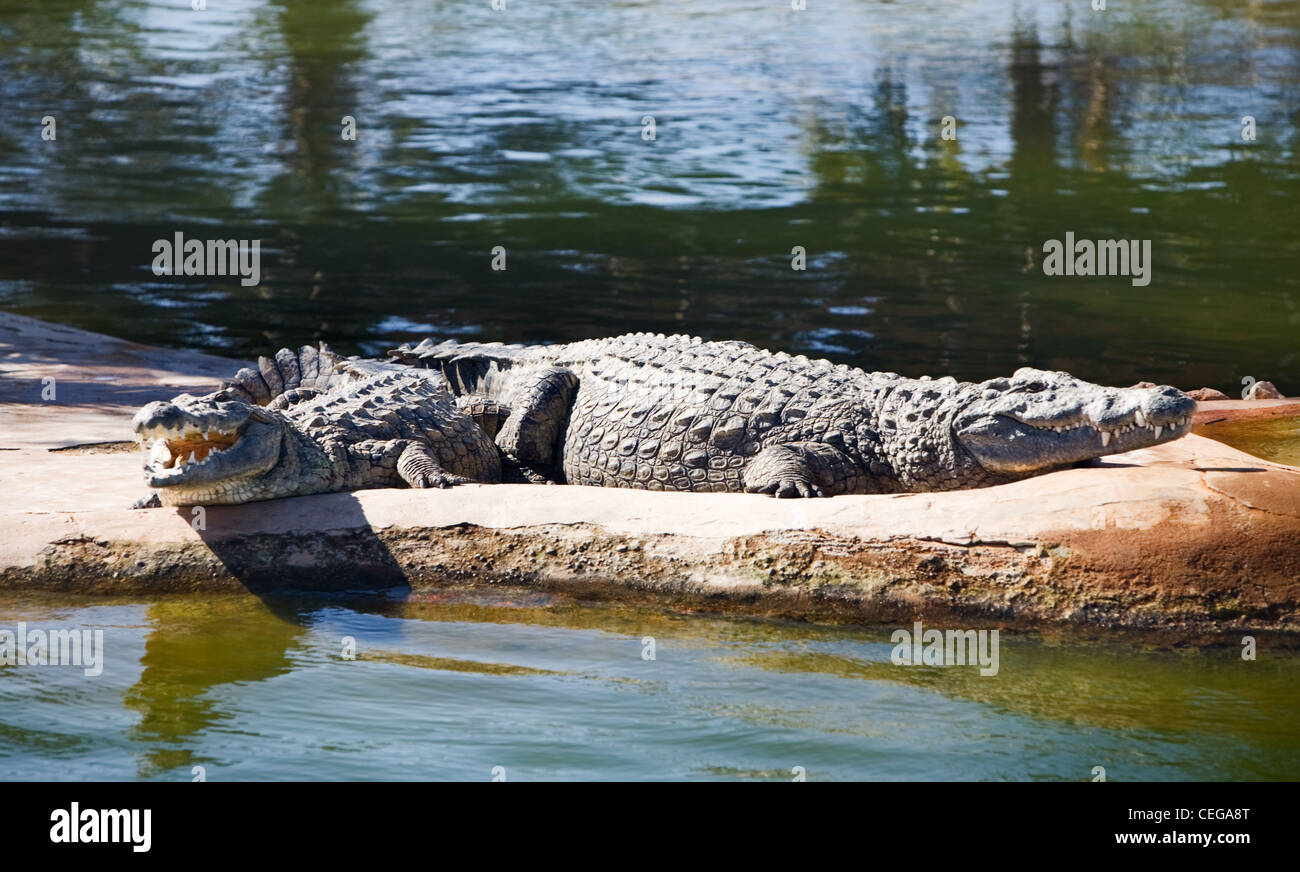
[(1102, 463), (322, 542)]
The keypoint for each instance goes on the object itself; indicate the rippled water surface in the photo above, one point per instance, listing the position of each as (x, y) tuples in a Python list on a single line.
[(449, 686), (773, 129)]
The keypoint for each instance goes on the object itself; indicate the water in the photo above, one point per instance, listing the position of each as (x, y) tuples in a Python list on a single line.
[(773, 129), (450, 686), (1275, 439)]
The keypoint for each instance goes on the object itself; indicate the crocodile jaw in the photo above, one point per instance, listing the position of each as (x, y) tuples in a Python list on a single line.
[(207, 455), (1038, 420), (1006, 445)]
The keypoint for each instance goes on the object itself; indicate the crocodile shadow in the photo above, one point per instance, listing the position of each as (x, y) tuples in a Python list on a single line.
[(322, 542)]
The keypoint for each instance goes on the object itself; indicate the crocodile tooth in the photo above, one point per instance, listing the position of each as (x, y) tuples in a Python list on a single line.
[(1141, 419), (1105, 438), (159, 454), (1158, 430)]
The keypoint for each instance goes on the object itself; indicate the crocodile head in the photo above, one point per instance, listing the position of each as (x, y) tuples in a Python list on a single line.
[(210, 450), (1039, 420)]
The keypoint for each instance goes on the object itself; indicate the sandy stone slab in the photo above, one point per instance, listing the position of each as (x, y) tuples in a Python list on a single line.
[(99, 382)]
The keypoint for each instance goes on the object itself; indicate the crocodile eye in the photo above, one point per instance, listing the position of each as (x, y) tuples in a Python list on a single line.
[(1035, 387)]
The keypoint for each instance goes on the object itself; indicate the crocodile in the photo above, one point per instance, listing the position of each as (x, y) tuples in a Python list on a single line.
[(678, 413), (310, 422)]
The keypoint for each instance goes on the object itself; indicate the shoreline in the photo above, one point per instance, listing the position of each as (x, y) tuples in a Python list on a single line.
[(1191, 538)]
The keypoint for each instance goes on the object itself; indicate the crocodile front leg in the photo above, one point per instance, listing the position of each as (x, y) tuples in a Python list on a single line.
[(539, 406), (419, 468), (803, 469)]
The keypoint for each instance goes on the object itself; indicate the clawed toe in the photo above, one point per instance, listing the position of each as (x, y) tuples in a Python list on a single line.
[(439, 480), (514, 472), (790, 489)]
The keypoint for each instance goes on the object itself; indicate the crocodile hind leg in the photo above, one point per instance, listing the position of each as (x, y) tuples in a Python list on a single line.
[(803, 469), (530, 437)]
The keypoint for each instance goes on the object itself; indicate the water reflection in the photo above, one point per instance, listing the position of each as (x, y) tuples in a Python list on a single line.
[(324, 47), (774, 129), (191, 648)]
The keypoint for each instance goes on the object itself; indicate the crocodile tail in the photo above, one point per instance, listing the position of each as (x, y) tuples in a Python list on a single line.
[(472, 368), (309, 368)]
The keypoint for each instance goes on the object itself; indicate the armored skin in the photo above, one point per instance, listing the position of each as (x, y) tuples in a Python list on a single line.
[(311, 422), (678, 413)]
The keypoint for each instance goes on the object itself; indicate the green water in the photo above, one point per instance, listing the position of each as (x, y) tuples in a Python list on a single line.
[(1275, 439), (774, 129), (451, 686)]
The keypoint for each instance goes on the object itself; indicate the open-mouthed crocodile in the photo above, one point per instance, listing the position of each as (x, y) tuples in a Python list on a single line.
[(310, 422), (677, 413)]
